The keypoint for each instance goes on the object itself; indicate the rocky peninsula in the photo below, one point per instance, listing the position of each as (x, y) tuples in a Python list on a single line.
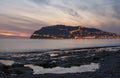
[(72, 32)]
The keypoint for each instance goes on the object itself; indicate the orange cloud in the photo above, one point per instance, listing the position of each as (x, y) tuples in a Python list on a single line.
[(13, 33)]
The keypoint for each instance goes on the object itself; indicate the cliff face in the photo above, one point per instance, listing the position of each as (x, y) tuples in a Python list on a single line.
[(70, 32)]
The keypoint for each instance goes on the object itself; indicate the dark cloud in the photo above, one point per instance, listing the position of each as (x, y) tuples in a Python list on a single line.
[(94, 8), (69, 11), (104, 8), (116, 7), (39, 2)]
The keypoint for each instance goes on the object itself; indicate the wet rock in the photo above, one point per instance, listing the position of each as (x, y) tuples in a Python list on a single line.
[(21, 70), (14, 70), (17, 65)]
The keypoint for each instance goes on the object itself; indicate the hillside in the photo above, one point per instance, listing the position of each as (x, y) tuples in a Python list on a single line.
[(71, 32)]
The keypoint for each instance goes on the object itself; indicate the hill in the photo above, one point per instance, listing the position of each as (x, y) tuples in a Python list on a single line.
[(72, 32)]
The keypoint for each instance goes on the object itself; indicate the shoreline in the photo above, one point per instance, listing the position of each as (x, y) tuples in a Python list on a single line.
[(108, 57), (50, 50)]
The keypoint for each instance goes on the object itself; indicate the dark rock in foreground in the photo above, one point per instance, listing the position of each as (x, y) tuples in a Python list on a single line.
[(7, 71)]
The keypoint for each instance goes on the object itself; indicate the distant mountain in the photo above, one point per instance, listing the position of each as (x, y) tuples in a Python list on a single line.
[(71, 32)]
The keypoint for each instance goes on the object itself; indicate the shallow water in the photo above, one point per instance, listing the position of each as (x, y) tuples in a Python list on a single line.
[(6, 62), (28, 45), (59, 70)]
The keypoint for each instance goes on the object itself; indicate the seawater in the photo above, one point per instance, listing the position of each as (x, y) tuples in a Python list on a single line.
[(29, 45)]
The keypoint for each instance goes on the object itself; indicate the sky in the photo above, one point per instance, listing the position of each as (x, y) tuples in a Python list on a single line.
[(23, 17)]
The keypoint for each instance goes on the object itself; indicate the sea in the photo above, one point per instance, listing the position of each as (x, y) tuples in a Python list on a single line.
[(34, 45), (42, 45)]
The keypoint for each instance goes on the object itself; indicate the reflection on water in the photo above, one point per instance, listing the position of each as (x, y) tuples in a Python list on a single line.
[(7, 62), (59, 70), (26, 45)]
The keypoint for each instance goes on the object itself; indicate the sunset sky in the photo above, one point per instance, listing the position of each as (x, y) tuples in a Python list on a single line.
[(23, 17)]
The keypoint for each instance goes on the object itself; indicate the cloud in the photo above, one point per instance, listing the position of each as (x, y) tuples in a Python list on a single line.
[(20, 24), (111, 27), (41, 2), (29, 15), (68, 10)]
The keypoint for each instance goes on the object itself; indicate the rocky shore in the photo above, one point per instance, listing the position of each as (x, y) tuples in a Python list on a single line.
[(107, 57)]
